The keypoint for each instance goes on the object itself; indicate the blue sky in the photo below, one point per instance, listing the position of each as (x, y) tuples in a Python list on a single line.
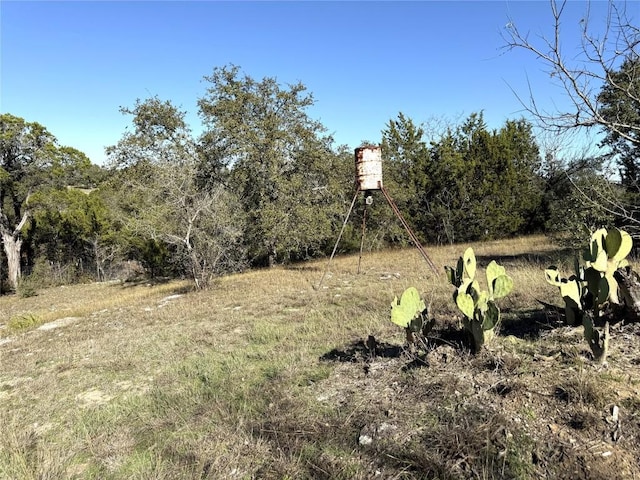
[(71, 65)]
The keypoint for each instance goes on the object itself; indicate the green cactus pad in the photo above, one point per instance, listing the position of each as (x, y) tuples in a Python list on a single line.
[(570, 289), (416, 324), (491, 317), (481, 314), (452, 277), (596, 245), (618, 244), (571, 314), (552, 276), (612, 242), (605, 289), (465, 304), (494, 271), (611, 288), (481, 300), (469, 260), (592, 277), (408, 308), (601, 263), (502, 286)]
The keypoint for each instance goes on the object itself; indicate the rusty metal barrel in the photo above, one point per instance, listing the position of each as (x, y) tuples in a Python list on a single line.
[(368, 168)]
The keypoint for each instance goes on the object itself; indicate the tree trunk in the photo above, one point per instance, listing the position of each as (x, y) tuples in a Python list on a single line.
[(12, 242), (271, 255), (12, 246)]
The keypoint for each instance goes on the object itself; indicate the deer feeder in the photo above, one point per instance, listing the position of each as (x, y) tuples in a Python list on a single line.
[(368, 179)]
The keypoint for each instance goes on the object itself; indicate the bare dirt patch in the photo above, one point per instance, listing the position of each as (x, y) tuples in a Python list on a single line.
[(505, 413)]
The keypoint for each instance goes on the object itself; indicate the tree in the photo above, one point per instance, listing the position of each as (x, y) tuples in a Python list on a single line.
[(601, 84), (25, 153), (448, 198), (581, 76), (72, 227), (278, 159), (161, 197), (472, 183), (518, 181), (620, 106), (406, 156), (567, 220), (505, 186)]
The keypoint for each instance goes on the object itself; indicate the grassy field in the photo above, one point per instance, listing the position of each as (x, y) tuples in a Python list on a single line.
[(266, 376)]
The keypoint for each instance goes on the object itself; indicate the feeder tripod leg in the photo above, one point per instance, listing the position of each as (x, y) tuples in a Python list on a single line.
[(335, 247), (414, 239), (364, 229)]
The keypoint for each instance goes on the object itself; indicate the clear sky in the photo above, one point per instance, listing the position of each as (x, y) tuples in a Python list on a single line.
[(71, 65)]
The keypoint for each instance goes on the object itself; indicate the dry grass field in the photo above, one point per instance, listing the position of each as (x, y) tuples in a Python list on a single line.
[(266, 376)]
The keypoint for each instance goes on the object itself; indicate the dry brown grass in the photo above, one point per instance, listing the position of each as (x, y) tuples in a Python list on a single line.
[(267, 376)]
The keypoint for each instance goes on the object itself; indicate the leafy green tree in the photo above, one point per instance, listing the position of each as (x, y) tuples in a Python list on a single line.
[(472, 183), (514, 187), (448, 199), (162, 201), (279, 160), (72, 168), (72, 226), (406, 158), (620, 104), (505, 182), (26, 149), (569, 219)]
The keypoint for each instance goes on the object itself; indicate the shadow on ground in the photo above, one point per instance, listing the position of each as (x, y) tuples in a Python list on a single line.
[(358, 351), (535, 258), (529, 324), (365, 350)]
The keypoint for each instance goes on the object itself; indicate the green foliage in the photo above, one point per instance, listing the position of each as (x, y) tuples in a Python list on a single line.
[(26, 288), (170, 219), (481, 314), (279, 160), (406, 156), (24, 149), (411, 313), (32, 164), (619, 102), (471, 183), (70, 226), (593, 286), (568, 215), (45, 273), (24, 321)]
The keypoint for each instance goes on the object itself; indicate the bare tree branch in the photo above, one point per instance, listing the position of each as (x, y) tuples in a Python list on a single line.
[(581, 77)]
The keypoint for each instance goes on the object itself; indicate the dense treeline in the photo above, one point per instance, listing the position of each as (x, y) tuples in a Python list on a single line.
[(469, 184), (265, 184)]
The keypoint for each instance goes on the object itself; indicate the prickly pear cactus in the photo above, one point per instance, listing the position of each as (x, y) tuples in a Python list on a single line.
[(410, 313), (465, 268), (607, 252), (598, 342), (593, 285), (571, 290), (481, 314)]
